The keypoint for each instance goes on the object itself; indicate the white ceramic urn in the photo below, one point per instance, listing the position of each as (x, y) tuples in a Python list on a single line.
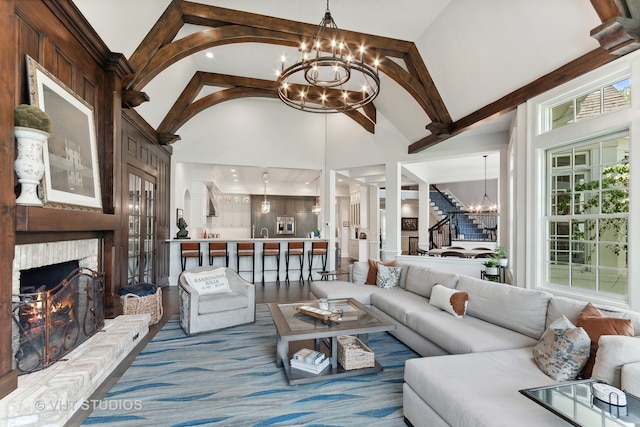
[(29, 165)]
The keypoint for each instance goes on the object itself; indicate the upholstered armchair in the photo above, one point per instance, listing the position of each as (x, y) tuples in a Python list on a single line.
[(214, 298)]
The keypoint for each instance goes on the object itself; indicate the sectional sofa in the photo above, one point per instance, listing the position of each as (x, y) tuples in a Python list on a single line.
[(473, 366)]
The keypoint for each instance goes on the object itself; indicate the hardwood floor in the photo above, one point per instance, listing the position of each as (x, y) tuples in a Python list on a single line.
[(269, 292)]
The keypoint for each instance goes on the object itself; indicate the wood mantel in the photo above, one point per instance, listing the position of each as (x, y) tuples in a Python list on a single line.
[(36, 219)]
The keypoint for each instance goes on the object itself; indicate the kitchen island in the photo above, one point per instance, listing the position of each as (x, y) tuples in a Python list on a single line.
[(232, 245)]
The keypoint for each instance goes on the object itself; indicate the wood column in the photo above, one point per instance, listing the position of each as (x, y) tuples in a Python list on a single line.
[(8, 56)]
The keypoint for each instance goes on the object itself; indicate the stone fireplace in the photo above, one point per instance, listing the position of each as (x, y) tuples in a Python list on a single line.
[(50, 397), (54, 317), (38, 255)]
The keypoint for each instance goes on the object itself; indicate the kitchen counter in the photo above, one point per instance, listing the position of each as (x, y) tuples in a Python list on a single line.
[(257, 239), (270, 276)]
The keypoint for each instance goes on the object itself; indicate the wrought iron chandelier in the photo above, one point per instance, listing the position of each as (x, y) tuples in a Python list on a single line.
[(486, 205), (266, 206), (328, 77)]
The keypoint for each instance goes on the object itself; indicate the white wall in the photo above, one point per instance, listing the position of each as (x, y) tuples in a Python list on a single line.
[(242, 132)]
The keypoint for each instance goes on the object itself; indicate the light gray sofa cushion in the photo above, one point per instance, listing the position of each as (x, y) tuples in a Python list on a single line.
[(397, 303), (224, 301), (338, 289), (466, 335), (521, 310), (420, 280), (559, 306), (481, 389)]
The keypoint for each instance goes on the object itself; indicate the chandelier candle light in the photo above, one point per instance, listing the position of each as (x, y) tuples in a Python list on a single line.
[(486, 205), (328, 77)]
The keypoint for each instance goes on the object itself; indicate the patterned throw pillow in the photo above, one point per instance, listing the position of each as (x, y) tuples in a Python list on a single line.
[(372, 275), (388, 277), (562, 350)]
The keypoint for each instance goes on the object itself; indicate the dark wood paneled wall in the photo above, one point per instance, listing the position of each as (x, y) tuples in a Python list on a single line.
[(8, 376), (140, 152), (55, 34)]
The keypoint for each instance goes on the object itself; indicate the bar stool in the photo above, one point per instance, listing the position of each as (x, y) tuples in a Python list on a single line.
[(271, 249), (190, 250), (218, 250), (295, 249), (317, 248), (247, 249)]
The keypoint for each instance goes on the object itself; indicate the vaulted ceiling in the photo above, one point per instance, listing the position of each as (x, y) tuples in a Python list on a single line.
[(429, 52)]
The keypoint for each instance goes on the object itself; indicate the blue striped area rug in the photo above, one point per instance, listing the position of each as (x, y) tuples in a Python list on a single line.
[(229, 378)]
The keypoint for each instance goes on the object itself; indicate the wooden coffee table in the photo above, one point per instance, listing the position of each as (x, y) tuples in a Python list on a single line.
[(291, 326)]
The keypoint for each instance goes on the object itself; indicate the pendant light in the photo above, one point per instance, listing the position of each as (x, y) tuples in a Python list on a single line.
[(316, 209), (266, 206), (486, 205)]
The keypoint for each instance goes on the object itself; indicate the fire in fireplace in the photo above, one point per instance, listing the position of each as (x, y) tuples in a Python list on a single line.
[(52, 321)]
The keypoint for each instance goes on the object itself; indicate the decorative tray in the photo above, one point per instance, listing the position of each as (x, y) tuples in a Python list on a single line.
[(318, 313)]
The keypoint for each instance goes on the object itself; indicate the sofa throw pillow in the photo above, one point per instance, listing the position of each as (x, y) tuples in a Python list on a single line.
[(359, 272), (452, 301), (372, 275), (208, 282), (388, 277), (597, 324), (563, 350), (615, 351)]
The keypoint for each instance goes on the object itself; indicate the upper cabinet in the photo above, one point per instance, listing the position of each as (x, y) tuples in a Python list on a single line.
[(359, 207), (232, 210)]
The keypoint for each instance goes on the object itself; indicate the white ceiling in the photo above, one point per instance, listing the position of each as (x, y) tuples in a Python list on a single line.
[(476, 52)]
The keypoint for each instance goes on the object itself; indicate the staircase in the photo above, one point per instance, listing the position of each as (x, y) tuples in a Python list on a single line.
[(442, 202), (464, 226)]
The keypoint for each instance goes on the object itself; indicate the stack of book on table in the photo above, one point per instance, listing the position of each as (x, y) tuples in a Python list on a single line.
[(311, 361)]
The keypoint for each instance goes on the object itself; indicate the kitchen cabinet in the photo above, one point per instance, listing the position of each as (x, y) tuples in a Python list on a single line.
[(232, 211), (359, 249), (359, 208)]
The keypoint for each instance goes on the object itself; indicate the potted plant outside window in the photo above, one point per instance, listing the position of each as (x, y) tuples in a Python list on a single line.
[(31, 129), (491, 267), (501, 256)]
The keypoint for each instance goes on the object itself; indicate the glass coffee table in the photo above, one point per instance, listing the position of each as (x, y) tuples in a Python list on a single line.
[(356, 319), (574, 402)]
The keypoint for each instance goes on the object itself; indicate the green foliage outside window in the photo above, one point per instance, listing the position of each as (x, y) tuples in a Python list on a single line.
[(612, 199)]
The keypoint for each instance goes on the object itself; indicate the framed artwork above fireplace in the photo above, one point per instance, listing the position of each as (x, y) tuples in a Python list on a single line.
[(72, 175)]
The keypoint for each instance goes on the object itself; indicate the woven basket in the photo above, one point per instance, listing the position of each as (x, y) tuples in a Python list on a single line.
[(353, 354), (152, 304)]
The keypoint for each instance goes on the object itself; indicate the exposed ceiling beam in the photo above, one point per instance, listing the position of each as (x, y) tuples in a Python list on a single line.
[(159, 50), (618, 35), (509, 102)]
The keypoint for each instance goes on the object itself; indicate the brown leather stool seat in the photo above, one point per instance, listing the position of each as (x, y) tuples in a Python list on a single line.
[(294, 249), (218, 250), (247, 249), (271, 249), (317, 249), (190, 250)]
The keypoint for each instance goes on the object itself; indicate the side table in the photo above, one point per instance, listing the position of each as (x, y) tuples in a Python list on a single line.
[(574, 402), (500, 277), (326, 275)]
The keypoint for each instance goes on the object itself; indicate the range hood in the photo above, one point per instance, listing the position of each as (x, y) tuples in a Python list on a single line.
[(211, 203)]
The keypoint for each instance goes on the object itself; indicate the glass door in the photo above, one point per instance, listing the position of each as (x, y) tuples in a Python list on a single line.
[(142, 224)]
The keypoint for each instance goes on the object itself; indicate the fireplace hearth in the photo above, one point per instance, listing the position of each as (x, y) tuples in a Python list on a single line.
[(52, 321)]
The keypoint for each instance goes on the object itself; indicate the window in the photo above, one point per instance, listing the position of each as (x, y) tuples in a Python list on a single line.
[(587, 213), (593, 103)]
